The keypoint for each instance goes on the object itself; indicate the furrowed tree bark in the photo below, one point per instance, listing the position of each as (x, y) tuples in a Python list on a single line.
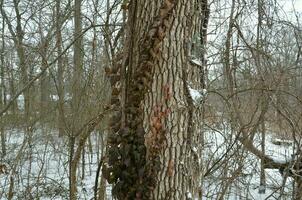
[(153, 153)]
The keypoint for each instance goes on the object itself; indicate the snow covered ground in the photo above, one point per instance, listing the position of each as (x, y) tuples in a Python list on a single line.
[(236, 173), (46, 176)]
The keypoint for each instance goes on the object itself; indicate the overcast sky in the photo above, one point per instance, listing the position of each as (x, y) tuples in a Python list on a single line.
[(288, 5), (298, 5)]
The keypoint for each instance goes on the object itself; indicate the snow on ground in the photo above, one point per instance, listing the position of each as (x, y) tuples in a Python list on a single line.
[(238, 172), (46, 177)]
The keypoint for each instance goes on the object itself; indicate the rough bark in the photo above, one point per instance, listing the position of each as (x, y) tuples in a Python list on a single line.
[(153, 154)]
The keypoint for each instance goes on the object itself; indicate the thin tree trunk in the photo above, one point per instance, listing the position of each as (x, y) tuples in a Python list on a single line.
[(260, 6), (60, 70), (18, 36), (2, 93), (83, 163), (262, 187), (44, 94), (12, 90), (107, 37), (102, 186), (44, 79), (24, 75), (76, 98), (298, 189), (22, 62)]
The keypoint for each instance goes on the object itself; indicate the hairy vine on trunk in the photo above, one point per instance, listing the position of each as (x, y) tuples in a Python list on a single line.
[(128, 168)]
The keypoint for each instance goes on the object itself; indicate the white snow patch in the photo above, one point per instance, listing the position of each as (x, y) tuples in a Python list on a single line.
[(196, 62), (197, 95)]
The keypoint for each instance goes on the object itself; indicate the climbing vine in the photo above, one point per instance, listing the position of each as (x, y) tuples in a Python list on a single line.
[(129, 168)]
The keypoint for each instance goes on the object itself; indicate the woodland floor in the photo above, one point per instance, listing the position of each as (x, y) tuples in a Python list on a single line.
[(42, 171)]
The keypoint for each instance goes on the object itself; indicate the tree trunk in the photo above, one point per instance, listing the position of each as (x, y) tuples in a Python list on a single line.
[(12, 89), (44, 87), (102, 189), (44, 79), (76, 97), (2, 93), (60, 70), (260, 6), (155, 154), (103, 183), (262, 187), (22, 64), (298, 189)]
